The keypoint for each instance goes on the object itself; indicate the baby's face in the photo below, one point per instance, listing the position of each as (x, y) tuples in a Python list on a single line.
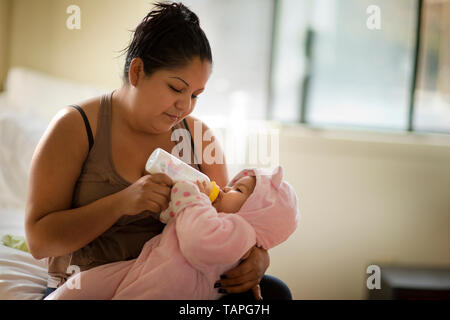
[(231, 199)]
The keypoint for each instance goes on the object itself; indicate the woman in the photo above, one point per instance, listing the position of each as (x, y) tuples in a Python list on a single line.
[(90, 201)]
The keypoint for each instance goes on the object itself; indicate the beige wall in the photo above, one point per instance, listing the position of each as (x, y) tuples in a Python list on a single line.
[(5, 7), (362, 202), (41, 40)]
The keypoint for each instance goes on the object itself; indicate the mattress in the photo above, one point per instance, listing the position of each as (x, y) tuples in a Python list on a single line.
[(21, 276)]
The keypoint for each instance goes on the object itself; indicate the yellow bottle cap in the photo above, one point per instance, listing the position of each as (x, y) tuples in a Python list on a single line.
[(214, 191)]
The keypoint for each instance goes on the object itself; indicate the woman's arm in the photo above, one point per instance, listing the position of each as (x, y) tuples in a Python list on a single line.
[(247, 274), (52, 227)]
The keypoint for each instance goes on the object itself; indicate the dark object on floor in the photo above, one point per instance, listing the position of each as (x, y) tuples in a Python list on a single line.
[(412, 283)]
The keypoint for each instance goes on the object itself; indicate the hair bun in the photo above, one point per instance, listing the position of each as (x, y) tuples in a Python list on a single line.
[(168, 37), (175, 10)]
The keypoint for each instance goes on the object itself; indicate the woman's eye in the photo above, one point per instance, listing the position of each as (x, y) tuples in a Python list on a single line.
[(179, 91), (174, 89)]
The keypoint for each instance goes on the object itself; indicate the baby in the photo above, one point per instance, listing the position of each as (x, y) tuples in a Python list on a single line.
[(200, 242)]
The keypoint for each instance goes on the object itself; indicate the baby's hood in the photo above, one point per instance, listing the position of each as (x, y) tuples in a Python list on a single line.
[(272, 207)]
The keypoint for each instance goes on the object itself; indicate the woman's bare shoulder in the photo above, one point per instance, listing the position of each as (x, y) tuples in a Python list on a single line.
[(190, 121), (90, 108), (213, 162), (194, 123), (67, 126)]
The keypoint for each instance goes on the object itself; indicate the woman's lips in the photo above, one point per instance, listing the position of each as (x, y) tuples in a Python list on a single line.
[(173, 118)]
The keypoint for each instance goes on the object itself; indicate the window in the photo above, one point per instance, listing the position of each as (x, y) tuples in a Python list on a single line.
[(432, 112), (236, 97), (331, 69), (239, 35)]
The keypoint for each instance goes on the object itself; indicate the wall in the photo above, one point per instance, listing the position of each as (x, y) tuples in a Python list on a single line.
[(365, 199), (91, 54), (5, 7)]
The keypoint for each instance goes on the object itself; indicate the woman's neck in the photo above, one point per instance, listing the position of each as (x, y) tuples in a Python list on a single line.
[(122, 110), (123, 117)]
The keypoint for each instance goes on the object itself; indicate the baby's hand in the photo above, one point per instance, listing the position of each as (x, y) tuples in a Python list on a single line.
[(204, 187)]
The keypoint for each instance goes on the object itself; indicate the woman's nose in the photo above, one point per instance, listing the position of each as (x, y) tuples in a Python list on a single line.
[(183, 104)]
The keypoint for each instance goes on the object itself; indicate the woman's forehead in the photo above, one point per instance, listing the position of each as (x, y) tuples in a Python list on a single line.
[(195, 70)]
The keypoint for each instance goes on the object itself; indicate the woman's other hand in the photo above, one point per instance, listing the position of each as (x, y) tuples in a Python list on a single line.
[(247, 274), (151, 192)]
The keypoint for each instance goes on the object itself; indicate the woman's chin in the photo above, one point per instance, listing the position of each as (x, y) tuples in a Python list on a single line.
[(160, 128)]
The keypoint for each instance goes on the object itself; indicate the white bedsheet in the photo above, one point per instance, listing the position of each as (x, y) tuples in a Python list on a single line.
[(21, 276)]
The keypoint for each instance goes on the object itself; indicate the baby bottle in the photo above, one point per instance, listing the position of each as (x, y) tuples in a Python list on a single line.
[(161, 161)]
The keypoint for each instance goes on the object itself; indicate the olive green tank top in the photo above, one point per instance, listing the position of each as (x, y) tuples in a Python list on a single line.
[(123, 240)]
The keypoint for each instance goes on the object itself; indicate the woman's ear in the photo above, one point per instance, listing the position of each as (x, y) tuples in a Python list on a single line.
[(135, 71)]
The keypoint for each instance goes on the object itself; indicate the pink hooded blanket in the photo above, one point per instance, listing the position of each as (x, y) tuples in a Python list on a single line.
[(197, 245), (272, 207)]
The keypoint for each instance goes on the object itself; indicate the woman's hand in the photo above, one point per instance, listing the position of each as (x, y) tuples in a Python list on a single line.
[(247, 274), (151, 192)]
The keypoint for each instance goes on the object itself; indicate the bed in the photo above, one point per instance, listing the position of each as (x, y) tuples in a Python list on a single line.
[(27, 105)]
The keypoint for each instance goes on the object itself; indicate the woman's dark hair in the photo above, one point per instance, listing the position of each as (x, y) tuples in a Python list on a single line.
[(168, 37)]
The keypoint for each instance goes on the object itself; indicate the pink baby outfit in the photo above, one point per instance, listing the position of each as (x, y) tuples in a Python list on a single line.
[(197, 245)]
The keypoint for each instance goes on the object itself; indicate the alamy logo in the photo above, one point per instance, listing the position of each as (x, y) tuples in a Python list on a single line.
[(374, 280), (74, 20), (74, 281), (254, 145), (374, 20)]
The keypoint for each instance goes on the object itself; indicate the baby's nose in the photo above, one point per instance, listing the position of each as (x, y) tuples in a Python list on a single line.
[(226, 189)]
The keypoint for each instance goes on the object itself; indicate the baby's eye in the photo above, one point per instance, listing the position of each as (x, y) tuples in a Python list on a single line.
[(239, 189)]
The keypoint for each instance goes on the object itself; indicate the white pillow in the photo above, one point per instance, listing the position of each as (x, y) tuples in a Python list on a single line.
[(43, 95), (4, 105), (19, 135), (21, 276)]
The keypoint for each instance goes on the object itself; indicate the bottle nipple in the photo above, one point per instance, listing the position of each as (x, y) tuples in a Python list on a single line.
[(214, 191)]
